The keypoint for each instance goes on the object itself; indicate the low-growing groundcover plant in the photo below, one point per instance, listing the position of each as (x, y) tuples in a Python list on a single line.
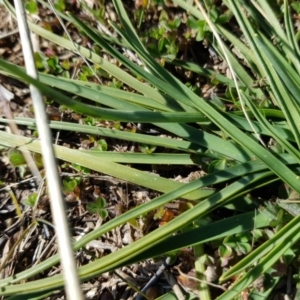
[(246, 141)]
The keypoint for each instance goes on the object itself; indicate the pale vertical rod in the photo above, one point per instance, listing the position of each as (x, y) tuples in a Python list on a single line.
[(72, 284)]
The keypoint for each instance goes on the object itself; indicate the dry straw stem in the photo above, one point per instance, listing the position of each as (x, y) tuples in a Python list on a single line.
[(73, 290), (5, 97), (69, 37), (217, 36)]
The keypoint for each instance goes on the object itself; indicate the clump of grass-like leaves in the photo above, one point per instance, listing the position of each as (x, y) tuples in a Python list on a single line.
[(257, 236)]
